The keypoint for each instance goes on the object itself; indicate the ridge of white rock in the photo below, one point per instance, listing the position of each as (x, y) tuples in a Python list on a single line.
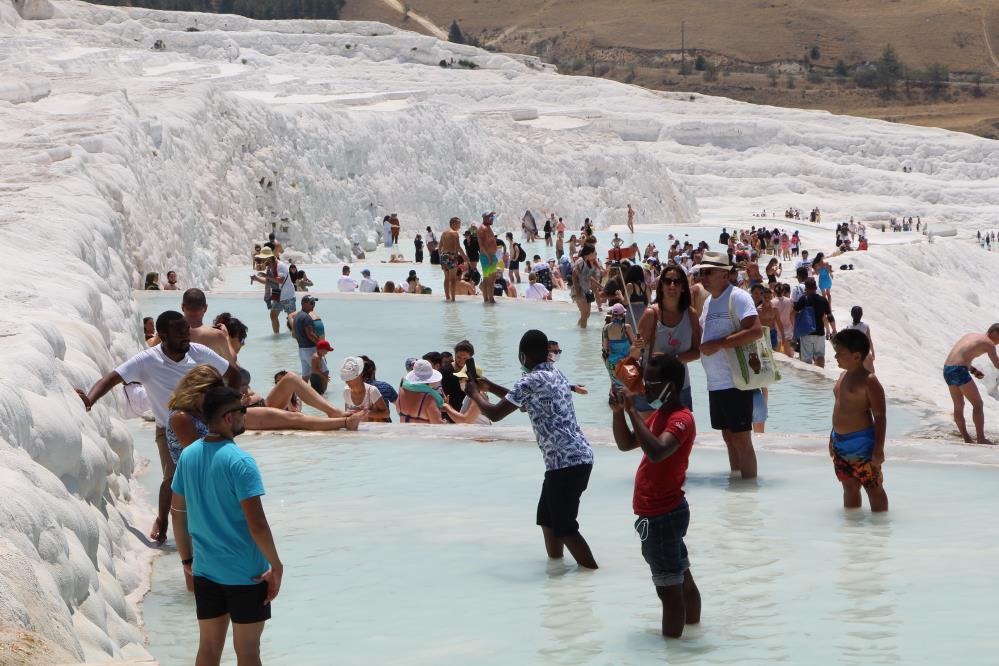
[(134, 140)]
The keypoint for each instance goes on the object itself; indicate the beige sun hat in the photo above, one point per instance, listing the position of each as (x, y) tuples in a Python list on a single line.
[(715, 260), (266, 253)]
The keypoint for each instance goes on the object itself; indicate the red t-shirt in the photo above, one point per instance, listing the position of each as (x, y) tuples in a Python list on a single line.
[(659, 486)]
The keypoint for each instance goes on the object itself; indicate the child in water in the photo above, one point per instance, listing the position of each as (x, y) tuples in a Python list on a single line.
[(857, 440)]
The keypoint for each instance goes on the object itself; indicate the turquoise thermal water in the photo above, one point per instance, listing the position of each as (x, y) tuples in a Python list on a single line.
[(390, 329), (403, 549)]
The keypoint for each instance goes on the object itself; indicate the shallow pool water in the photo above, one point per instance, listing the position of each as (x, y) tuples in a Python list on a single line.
[(391, 329), (404, 549)]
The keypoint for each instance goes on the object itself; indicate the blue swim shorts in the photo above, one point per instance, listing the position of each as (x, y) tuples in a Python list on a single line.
[(956, 375)]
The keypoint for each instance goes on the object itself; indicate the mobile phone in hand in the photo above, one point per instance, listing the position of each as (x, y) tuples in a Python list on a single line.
[(470, 369)]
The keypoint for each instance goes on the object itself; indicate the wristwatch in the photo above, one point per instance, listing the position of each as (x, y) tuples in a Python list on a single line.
[(187, 561)]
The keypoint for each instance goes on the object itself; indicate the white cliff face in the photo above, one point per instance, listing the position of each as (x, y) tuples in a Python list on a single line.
[(134, 141)]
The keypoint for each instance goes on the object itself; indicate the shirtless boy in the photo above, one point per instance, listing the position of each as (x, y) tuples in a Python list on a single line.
[(857, 440), (957, 373), (452, 257)]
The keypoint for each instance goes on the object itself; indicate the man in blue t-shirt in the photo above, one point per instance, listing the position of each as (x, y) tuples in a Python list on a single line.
[(233, 560), (544, 393)]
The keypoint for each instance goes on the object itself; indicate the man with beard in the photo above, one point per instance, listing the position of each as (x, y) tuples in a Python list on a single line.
[(159, 369), (222, 534)]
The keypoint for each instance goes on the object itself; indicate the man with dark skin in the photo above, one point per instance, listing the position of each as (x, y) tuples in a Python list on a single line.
[(487, 257), (159, 369), (666, 439), (545, 394)]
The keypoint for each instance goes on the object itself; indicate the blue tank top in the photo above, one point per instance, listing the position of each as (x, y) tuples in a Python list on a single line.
[(320, 328)]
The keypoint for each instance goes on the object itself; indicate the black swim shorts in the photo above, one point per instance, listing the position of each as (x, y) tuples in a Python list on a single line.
[(243, 603), (559, 502), (731, 409)]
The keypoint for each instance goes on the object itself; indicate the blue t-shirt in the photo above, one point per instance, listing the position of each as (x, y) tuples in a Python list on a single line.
[(214, 477), (545, 394), (301, 323)]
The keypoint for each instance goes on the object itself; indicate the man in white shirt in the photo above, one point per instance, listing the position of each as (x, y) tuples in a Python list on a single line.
[(159, 369), (805, 262), (346, 283), (367, 286), (731, 409)]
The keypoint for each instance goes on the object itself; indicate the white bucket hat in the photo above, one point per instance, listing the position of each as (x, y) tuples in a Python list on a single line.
[(423, 373), (351, 368)]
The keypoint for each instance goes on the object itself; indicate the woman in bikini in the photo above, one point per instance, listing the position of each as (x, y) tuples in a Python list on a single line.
[(452, 256), (420, 400)]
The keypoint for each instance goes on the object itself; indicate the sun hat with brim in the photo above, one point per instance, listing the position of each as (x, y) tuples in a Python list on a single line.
[(463, 373), (351, 368), (423, 373), (266, 253), (714, 260)]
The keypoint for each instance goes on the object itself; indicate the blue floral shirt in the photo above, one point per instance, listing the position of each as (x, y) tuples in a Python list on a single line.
[(545, 394)]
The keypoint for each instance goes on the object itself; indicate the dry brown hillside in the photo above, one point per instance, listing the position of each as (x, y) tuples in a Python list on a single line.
[(639, 41)]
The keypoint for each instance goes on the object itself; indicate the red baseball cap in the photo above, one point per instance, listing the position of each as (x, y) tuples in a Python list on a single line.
[(324, 345)]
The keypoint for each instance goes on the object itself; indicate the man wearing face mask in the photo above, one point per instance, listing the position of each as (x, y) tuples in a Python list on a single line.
[(544, 393), (222, 534), (666, 439)]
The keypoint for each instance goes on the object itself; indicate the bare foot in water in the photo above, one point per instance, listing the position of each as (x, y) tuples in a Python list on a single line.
[(158, 533), (354, 420)]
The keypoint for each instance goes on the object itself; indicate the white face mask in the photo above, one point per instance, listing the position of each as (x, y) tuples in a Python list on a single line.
[(553, 357), (663, 397)]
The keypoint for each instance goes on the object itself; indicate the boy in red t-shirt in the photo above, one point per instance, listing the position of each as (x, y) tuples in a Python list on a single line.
[(666, 439)]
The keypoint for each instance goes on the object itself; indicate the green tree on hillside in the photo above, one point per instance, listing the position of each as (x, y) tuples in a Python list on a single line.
[(840, 69), (888, 68), (938, 75), (454, 35)]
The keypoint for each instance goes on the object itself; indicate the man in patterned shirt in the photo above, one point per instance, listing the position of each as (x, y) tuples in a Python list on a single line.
[(545, 394)]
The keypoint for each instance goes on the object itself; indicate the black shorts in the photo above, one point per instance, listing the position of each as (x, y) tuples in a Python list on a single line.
[(731, 409), (559, 502), (243, 603)]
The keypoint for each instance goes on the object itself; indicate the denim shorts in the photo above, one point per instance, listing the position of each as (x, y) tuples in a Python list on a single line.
[(662, 544), (760, 411), (287, 305)]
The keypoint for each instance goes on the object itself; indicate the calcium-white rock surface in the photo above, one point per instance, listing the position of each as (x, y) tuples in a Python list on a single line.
[(134, 141)]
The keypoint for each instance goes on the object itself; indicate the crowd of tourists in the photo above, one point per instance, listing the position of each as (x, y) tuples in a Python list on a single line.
[(664, 310)]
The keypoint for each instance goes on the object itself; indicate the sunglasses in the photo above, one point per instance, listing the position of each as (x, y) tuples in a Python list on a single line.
[(671, 281), (554, 351), (241, 409)]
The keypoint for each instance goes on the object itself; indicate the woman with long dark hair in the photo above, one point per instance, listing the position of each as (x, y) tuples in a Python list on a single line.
[(671, 325)]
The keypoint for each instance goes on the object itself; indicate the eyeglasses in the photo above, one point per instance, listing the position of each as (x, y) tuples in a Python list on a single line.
[(554, 351), (241, 409)]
